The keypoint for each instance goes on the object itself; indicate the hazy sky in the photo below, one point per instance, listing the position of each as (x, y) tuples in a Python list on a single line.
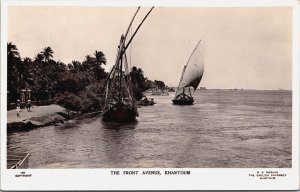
[(246, 47)]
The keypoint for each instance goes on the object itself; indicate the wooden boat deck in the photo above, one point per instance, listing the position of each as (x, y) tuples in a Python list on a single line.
[(17, 160)]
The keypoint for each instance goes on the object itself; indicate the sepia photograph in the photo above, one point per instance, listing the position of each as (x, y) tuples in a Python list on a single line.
[(149, 87)]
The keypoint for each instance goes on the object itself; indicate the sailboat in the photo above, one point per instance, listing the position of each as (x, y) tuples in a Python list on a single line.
[(119, 106), (191, 76)]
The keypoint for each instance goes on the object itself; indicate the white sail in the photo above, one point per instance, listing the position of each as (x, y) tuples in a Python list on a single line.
[(194, 69)]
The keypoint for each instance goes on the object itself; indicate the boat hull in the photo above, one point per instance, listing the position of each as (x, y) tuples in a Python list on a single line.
[(183, 101), (120, 113), (17, 160)]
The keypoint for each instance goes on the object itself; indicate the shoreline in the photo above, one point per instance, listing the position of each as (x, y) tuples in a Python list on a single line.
[(40, 116)]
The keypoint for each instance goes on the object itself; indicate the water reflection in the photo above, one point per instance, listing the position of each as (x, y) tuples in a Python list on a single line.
[(117, 126), (119, 143), (70, 124)]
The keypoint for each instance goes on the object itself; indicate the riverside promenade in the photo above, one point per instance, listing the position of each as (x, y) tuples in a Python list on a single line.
[(38, 116), (36, 111)]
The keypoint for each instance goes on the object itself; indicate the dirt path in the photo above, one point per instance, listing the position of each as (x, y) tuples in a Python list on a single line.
[(37, 111)]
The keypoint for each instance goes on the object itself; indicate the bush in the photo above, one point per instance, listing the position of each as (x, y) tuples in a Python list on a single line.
[(69, 101)]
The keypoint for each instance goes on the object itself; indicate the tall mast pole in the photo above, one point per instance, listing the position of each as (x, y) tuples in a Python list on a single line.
[(131, 23), (137, 30), (120, 76)]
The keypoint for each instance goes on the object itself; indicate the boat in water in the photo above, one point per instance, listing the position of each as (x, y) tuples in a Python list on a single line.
[(145, 102), (119, 105), (17, 160), (191, 76)]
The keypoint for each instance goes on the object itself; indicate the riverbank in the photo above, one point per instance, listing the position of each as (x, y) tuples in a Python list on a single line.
[(221, 129), (39, 116)]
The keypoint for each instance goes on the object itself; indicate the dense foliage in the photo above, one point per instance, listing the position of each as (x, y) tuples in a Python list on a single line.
[(138, 82), (73, 86), (77, 86)]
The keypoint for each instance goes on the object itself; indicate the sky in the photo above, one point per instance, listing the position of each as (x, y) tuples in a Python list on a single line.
[(249, 48)]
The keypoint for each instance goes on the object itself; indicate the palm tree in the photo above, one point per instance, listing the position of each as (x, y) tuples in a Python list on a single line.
[(76, 65), (13, 58), (100, 58), (27, 60), (14, 66), (39, 58), (88, 63), (60, 66), (29, 70), (47, 53), (12, 50), (70, 67), (27, 63)]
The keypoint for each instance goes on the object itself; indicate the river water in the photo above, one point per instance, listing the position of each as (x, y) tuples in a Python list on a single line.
[(224, 128)]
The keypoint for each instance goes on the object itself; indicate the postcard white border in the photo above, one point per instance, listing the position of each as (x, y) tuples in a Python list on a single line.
[(200, 178)]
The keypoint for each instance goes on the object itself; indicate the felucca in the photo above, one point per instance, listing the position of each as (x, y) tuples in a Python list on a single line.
[(191, 76), (119, 104)]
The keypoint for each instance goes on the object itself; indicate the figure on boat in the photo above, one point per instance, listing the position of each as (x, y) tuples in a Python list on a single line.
[(119, 105), (184, 98), (191, 76)]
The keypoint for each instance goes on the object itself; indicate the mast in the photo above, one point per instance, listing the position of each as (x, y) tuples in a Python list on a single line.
[(117, 68), (131, 22), (120, 78), (122, 49), (118, 53), (194, 50), (194, 68), (192, 72), (180, 81), (138, 28), (190, 92)]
